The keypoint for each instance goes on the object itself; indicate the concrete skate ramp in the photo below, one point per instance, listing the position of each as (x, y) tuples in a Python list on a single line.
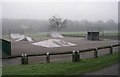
[(62, 43), (16, 36), (25, 38), (53, 43), (56, 35), (29, 39), (21, 37)]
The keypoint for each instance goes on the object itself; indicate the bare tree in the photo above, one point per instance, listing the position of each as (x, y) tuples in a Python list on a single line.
[(57, 22)]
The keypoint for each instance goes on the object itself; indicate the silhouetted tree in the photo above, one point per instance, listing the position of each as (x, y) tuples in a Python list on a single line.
[(57, 22)]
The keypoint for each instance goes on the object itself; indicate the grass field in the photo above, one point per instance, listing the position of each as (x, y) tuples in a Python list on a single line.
[(83, 33), (0, 70), (62, 68)]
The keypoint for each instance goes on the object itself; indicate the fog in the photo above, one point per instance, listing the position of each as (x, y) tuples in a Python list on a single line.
[(79, 15), (92, 11)]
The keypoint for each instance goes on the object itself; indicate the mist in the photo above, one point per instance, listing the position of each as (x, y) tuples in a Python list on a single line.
[(92, 11), (79, 15)]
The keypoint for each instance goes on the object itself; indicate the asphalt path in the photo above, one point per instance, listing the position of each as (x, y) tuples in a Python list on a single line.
[(111, 70)]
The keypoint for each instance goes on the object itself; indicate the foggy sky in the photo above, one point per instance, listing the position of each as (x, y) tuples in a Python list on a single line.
[(92, 11)]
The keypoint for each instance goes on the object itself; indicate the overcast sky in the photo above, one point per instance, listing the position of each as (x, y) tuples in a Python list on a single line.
[(92, 11)]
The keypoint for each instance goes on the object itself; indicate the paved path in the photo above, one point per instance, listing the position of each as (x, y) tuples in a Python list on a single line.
[(112, 70)]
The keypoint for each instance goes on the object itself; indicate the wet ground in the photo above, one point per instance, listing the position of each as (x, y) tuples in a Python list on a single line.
[(22, 47)]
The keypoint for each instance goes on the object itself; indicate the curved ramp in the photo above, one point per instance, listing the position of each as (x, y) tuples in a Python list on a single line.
[(25, 38), (16, 36), (21, 37), (56, 35)]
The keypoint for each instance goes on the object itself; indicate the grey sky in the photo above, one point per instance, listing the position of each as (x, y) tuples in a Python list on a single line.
[(92, 11)]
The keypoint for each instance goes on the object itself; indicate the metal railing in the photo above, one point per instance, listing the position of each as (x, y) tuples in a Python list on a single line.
[(75, 54)]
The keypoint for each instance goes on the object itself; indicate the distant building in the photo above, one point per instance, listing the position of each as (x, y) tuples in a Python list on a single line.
[(93, 33), (93, 36)]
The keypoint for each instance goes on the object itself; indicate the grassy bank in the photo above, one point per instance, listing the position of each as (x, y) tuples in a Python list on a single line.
[(0, 70), (62, 68)]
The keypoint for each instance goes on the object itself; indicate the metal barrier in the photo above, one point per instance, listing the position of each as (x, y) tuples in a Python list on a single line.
[(75, 54)]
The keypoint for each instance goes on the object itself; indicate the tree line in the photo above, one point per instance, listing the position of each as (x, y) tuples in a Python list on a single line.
[(34, 25)]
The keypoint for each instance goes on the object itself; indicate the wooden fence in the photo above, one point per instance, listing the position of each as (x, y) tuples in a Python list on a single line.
[(75, 54)]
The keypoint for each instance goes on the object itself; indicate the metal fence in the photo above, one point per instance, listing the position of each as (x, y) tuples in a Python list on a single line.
[(75, 54)]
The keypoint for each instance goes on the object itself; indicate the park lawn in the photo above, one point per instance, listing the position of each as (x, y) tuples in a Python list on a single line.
[(62, 68), (44, 34), (0, 70)]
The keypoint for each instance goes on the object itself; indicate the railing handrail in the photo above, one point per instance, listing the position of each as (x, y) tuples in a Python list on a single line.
[(69, 52)]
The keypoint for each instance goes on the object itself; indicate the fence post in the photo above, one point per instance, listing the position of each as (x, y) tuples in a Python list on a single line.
[(47, 57), (96, 53), (111, 49), (78, 55), (73, 56), (24, 59)]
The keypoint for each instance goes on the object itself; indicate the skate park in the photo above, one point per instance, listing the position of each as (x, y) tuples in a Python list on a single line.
[(54, 42), (59, 38)]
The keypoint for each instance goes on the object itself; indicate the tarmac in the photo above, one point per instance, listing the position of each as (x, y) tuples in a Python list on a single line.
[(111, 70), (24, 47)]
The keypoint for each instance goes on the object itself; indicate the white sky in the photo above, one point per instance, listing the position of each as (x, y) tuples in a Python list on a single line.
[(73, 9), (59, 0)]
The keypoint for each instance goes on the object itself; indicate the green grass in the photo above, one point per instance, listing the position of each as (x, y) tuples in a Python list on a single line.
[(44, 34), (81, 33), (0, 70), (62, 68)]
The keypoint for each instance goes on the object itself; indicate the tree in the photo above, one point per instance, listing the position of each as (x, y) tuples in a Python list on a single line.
[(57, 22)]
